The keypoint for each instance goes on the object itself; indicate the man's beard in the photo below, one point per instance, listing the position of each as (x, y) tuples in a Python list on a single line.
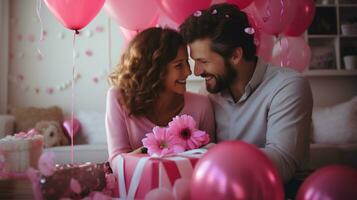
[(223, 81)]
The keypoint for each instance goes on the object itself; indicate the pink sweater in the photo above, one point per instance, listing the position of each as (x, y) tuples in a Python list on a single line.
[(125, 133)]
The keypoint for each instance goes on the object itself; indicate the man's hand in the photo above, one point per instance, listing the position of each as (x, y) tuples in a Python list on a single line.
[(208, 146)]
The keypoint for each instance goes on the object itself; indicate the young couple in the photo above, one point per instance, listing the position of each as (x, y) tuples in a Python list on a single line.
[(248, 99)]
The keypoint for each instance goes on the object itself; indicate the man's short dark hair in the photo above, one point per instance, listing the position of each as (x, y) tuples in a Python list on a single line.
[(225, 25)]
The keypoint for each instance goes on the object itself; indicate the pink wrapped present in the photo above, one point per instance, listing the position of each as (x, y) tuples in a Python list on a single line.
[(138, 174)]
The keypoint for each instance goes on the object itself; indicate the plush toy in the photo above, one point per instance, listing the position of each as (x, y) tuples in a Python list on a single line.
[(52, 132)]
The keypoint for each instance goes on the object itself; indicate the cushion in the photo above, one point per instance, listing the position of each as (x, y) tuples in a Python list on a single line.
[(7, 125), (27, 117), (93, 126), (336, 124)]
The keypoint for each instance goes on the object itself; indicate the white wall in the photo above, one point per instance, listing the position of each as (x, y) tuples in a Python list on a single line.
[(4, 47), (55, 69)]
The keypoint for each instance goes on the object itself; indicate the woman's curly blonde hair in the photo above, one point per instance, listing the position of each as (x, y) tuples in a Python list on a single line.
[(143, 66)]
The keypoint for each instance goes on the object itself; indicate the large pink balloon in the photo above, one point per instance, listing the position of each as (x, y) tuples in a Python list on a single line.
[(133, 14), (75, 14), (292, 52), (332, 182), (273, 16), (240, 3), (235, 170), (301, 21), (179, 10), (262, 40)]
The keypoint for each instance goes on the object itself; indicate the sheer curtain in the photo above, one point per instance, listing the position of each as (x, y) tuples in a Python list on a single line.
[(4, 53)]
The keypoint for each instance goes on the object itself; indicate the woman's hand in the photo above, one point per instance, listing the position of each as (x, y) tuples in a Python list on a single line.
[(138, 151)]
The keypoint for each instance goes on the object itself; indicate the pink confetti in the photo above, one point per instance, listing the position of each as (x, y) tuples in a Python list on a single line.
[(49, 90), (249, 30), (198, 13), (89, 53), (95, 80), (99, 29), (31, 38)]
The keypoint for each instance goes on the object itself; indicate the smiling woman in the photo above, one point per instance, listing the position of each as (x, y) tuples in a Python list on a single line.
[(149, 89)]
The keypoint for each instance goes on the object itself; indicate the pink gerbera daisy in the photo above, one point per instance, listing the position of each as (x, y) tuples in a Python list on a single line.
[(161, 143), (184, 129)]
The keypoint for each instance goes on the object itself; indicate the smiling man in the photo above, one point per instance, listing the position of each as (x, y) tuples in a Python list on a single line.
[(254, 101)]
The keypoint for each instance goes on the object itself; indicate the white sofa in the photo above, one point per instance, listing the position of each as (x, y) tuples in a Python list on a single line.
[(96, 152), (334, 137)]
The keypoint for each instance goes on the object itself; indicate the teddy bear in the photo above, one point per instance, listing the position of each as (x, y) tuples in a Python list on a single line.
[(52, 133)]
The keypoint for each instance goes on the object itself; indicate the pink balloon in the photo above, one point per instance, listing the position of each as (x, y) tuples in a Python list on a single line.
[(273, 16), (181, 189), (240, 3), (67, 124), (263, 41), (159, 194), (128, 34), (265, 44), (332, 182), (74, 14), (133, 14), (179, 10), (165, 21), (292, 52), (247, 173), (301, 21)]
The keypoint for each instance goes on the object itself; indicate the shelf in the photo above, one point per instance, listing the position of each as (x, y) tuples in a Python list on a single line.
[(321, 36), (348, 36), (325, 5), (330, 72), (347, 5)]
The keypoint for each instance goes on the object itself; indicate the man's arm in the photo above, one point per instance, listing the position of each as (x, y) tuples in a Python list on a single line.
[(288, 131)]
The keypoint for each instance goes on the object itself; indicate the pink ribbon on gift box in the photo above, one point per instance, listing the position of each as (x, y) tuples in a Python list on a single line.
[(181, 164), (29, 134)]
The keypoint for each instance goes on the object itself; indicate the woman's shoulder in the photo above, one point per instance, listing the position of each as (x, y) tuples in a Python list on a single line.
[(113, 92)]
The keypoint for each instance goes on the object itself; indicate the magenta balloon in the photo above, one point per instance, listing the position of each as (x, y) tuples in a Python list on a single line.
[(235, 170), (133, 14), (274, 16), (265, 44), (301, 21), (240, 3), (76, 126), (262, 40), (292, 52), (179, 10), (334, 182), (128, 34), (74, 14)]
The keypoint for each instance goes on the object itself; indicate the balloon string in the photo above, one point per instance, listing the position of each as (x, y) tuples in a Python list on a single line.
[(38, 10), (282, 9), (72, 98), (109, 46)]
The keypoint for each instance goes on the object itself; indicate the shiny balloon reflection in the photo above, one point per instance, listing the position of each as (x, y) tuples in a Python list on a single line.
[(235, 170)]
